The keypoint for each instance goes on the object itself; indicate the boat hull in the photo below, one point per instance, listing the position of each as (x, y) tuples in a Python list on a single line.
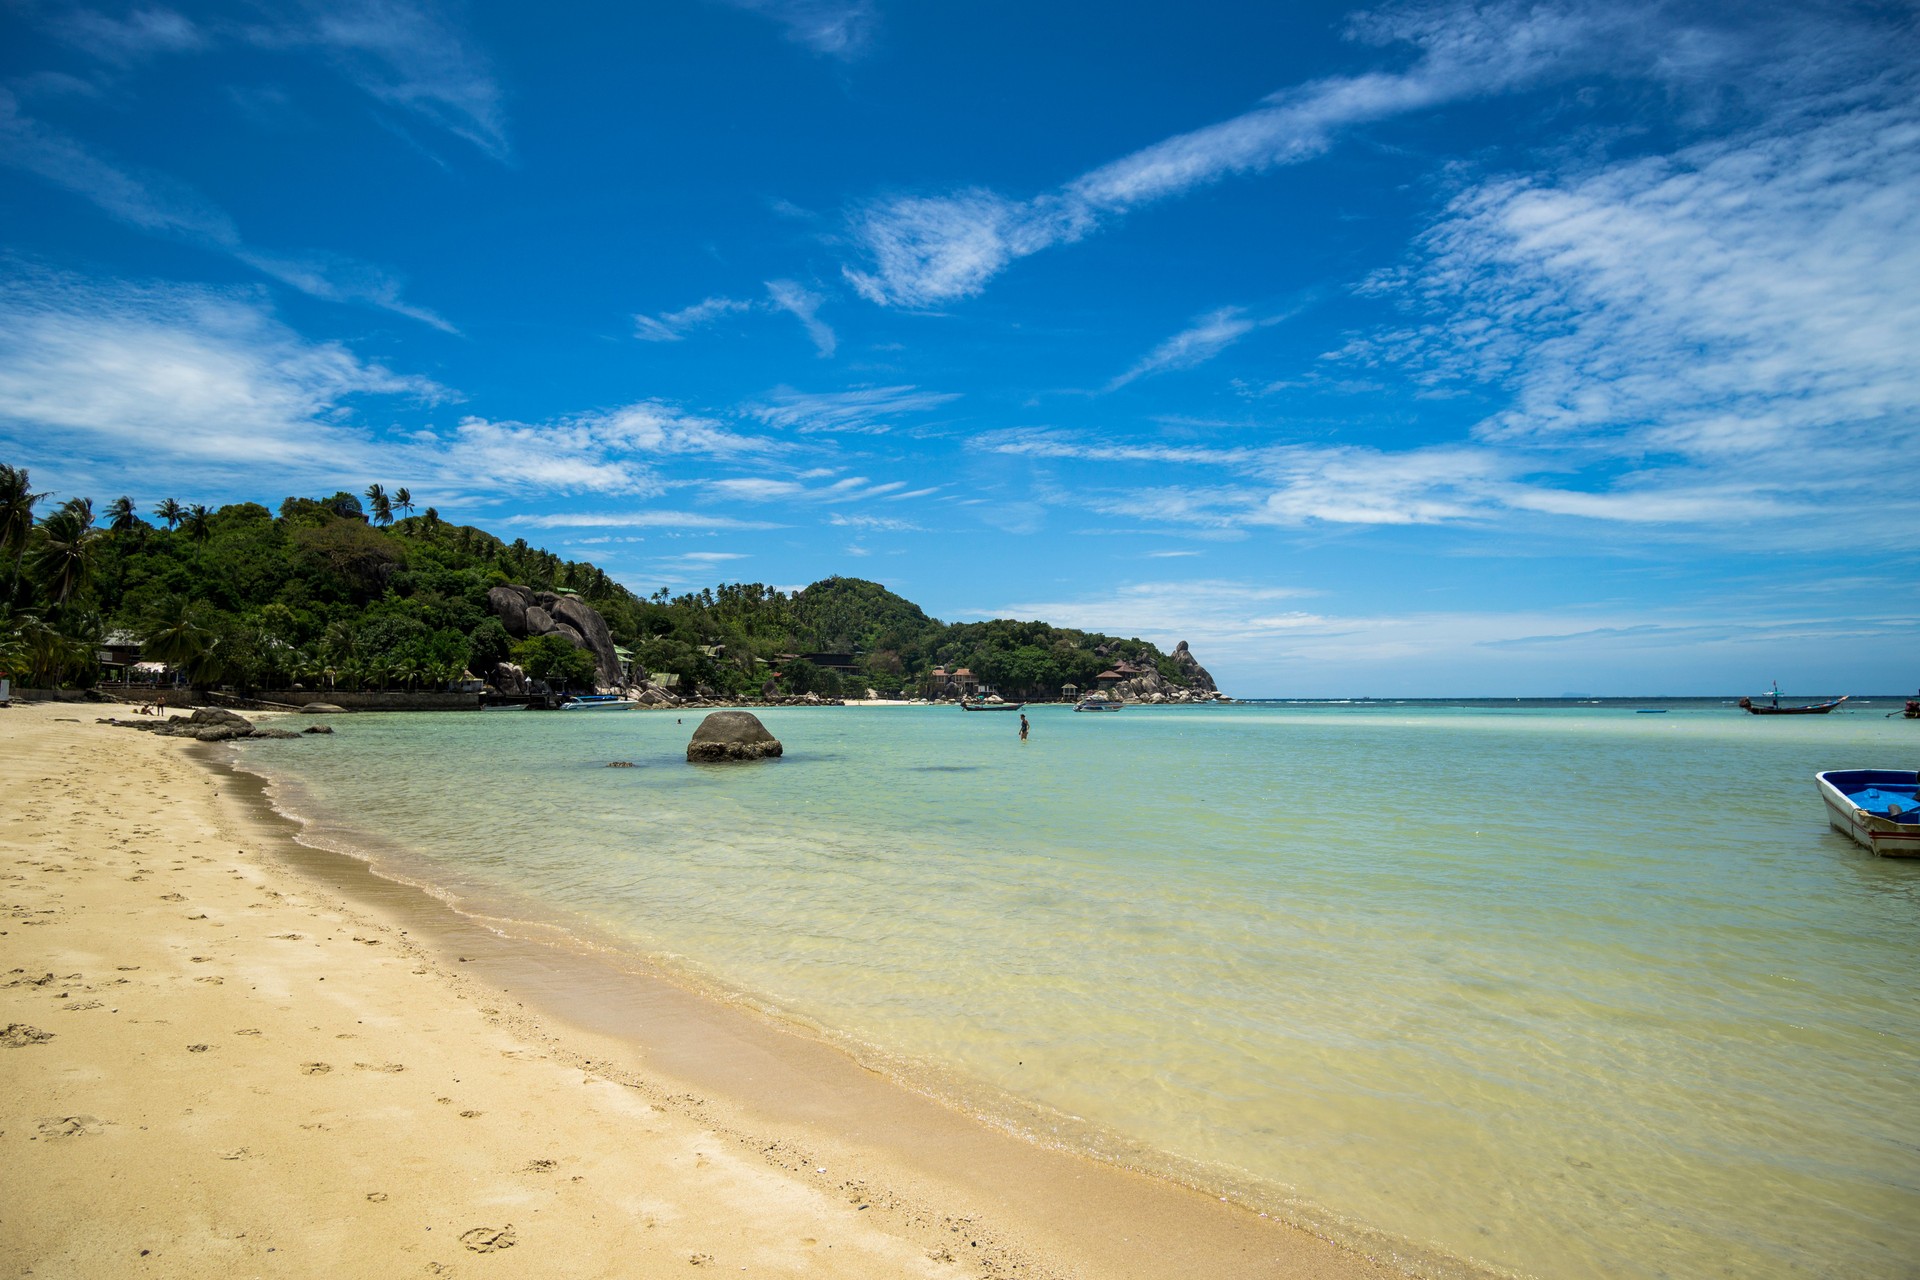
[(994, 706), (1817, 709), (619, 704), (1881, 835)]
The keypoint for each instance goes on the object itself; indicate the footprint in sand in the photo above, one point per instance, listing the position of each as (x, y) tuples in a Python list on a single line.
[(248, 1031), (79, 1006), (389, 1068), (199, 959), (487, 1239), (377, 1197), (198, 1048), (70, 1126), (314, 1068), (19, 1035), (212, 980), (539, 1166), (173, 897), (471, 1115)]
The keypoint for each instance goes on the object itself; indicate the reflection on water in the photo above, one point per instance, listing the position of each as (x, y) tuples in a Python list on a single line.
[(1567, 989)]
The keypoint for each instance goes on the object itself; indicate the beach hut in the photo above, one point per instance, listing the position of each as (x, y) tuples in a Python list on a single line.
[(1069, 692)]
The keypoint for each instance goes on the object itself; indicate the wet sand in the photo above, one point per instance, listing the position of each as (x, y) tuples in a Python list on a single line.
[(230, 1054)]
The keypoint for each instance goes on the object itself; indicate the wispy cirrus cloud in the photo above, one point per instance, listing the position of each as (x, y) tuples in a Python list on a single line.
[(162, 206), (788, 296), (672, 326), (842, 29), (803, 305), (141, 34), (408, 56), (770, 489), (860, 411), (190, 382), (645, 518), (921, 251), (1193, 346)]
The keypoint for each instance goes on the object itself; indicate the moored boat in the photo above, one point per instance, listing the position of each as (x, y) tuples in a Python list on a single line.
[(1774, 708), (989, 704), (598, 702), (1096, 702), (1877, 807)]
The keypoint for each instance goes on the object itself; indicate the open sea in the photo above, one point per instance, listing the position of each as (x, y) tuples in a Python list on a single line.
[(1563, 989)]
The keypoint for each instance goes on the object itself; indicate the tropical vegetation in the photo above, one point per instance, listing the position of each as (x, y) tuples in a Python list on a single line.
[(339, 592)]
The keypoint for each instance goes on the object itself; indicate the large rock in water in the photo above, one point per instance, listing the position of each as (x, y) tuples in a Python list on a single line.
[(1195, 674), (732, 735), (586, 620)]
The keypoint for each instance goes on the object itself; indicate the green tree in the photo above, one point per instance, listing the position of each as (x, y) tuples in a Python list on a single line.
[(17, 501), (63, 553), (122, 515), (555, 660), (171, 512), (403, 500), (199, 522), (380, 505)]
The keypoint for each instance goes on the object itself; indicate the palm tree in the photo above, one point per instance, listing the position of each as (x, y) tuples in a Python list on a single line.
[(381, 504), (403, 500), (199, 525), (171, 512), (17, 501), (122, 515), (63, 555), (430, 520), (173, 637)]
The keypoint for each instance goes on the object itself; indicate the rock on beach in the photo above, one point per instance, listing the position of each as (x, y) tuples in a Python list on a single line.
[(732, 735)]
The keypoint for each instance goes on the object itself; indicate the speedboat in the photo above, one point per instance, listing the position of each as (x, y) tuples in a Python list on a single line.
[(1096, 702), (598, 702), (1877, 807), (989, 704)]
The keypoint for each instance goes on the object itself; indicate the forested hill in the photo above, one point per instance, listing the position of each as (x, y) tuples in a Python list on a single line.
[(372, 593)]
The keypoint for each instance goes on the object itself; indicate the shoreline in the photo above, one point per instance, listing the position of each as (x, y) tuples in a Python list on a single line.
[(812, 1129)]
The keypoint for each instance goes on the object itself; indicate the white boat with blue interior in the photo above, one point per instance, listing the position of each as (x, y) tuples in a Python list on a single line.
[(1877, 807)]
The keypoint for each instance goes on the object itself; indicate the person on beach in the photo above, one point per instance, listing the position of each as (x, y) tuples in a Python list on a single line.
[(1023, 726)]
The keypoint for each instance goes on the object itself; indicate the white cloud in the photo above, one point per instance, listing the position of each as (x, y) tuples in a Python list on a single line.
[(875, 524), (863, 410), (154, 203), (767, 489), (184, 382), (672, 326), (838, 28), (804, 305), (1200, 342), (922, 251), (143, 33), (406, 55), (696, 521)]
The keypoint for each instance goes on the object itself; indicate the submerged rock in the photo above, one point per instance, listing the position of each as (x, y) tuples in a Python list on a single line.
[(318, 728), (732, 735), (322, 709)]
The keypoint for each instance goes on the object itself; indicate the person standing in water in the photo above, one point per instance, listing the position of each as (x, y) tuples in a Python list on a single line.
[(1023, 726)]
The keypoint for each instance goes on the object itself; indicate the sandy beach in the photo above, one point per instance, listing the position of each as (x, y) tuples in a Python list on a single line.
[(227, 1054)]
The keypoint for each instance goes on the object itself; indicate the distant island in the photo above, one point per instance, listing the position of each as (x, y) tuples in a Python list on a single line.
[(363, 592)]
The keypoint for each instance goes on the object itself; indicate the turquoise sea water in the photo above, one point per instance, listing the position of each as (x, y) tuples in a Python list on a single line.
[(1571, 991)]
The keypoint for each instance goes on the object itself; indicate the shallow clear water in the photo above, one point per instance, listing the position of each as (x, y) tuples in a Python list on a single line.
[(1572, 991)]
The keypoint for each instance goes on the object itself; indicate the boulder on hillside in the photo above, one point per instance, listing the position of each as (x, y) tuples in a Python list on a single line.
[(539, 621), (508, 677), (511, 608), (568, 634), (586, 620), (732, 735)]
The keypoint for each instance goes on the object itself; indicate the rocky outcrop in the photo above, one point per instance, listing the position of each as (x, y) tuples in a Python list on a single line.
[(526, 613), (507, 677), (509, 604), (732, 735), (206, 724), (587, 623), (322, 709), (1192, 673)]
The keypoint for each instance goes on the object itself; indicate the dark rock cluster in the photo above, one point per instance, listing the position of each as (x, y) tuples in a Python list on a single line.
[(206, 724)]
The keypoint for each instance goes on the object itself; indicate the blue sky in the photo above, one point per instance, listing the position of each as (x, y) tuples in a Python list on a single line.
[(1410, 349)]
